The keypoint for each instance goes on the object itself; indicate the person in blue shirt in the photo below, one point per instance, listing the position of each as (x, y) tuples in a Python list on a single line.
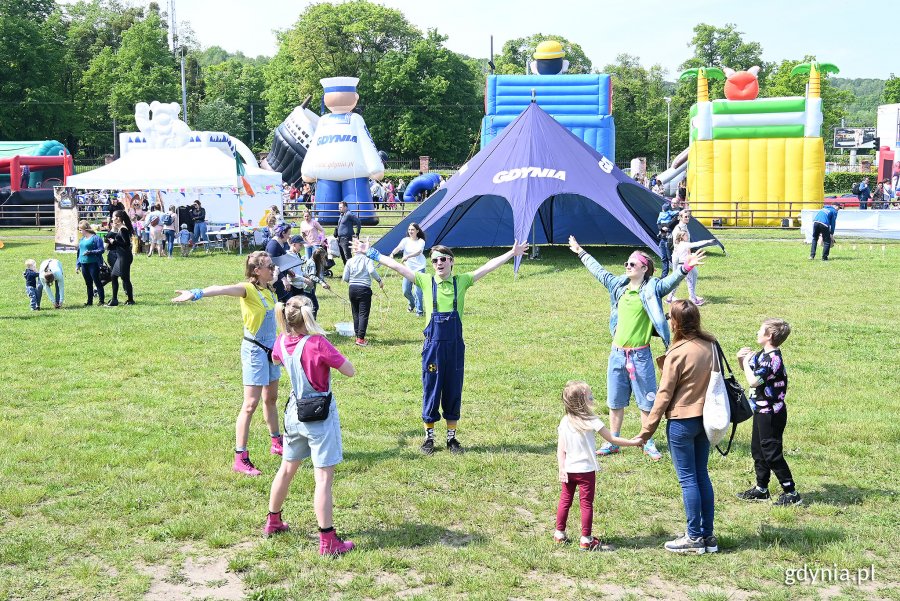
[(666, 222), (864, 194), (823, 226)]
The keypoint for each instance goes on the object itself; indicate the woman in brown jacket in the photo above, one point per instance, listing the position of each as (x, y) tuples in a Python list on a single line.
[(682, 392)]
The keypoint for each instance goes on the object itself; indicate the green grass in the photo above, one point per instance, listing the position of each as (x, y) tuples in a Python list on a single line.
[(118, 426)]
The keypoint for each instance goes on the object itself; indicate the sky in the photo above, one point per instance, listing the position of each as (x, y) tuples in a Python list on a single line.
[(656, 31)]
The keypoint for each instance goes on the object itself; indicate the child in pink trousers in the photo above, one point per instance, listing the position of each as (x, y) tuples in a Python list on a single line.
[(576, 454)]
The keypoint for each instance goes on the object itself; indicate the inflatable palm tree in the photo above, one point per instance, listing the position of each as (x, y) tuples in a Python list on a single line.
[(703, 75), (815, 69)]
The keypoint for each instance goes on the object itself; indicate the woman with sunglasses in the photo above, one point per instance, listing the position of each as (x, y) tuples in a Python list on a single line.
[(260, 375), (443, 353), (636, 313)]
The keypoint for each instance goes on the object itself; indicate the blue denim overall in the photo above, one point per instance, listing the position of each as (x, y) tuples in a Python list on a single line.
[(443, 362), (255, 365), (321, 441)]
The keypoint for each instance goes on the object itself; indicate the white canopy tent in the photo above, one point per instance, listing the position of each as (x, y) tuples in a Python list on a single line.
[(183, 175)]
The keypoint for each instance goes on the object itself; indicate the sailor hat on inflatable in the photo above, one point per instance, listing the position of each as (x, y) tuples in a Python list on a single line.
[(549, 59), (339, 84)]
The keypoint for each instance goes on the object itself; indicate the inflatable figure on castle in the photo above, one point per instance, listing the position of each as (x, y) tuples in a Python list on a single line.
[(164, 129), (342, 156)]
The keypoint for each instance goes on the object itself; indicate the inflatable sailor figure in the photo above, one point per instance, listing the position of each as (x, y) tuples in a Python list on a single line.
[(342, 156)]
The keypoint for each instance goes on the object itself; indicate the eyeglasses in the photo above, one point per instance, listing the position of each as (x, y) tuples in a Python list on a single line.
[(440, 259)]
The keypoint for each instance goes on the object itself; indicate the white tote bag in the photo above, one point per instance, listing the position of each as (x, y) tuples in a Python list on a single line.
[(716, 409)]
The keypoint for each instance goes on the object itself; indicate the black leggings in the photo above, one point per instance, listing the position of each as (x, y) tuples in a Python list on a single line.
[(91, 274), (126, 284)]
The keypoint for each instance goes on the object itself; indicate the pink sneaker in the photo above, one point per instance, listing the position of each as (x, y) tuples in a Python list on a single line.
[(330, 544), (277, 447), (274, 525), (699, 301), (243, 465)]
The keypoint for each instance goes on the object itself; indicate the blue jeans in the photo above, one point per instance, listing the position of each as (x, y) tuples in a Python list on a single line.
[(413, 294), (200, 232), (309, 252), (91, 274), (32, 295), (665, 256), (170, 241), (689, 449)]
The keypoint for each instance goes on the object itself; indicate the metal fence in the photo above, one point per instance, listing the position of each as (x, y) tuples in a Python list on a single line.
[(27, 215)]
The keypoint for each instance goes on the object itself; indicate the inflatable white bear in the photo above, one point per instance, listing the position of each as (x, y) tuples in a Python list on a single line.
[(164, 129)]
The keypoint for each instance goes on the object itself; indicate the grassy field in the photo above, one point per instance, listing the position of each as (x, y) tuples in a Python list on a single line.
[(118, 429)]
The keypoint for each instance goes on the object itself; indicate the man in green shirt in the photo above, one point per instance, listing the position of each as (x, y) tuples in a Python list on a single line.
[(443, 353)]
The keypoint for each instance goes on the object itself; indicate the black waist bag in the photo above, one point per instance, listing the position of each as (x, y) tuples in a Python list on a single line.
[(314, 408)]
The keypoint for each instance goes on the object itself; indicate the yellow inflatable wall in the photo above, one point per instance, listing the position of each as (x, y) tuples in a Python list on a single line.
[(755, 181)]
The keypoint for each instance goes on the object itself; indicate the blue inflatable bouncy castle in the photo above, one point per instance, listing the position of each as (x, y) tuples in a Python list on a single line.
[(581, 103)]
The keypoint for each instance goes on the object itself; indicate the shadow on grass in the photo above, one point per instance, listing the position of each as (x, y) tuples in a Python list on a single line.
[(411, 535), (840, 495), (365, 459), (517, 448), (806, 540)]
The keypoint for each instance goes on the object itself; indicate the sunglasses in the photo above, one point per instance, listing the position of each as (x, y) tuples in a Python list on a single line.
[(631, 264), (440, 259)]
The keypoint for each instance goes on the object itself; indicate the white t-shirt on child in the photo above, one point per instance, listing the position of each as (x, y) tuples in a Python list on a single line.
[(581, 447)]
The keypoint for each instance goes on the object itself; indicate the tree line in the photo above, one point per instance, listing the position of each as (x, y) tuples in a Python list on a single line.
[(74, 72)]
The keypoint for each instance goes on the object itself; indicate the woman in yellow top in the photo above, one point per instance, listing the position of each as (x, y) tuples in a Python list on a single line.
[(260, 375)]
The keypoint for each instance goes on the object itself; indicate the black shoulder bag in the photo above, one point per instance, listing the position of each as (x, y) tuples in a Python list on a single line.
[(740, 407)]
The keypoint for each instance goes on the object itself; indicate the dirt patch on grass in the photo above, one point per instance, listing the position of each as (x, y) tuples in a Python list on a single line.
[(654, 588), (197, 577)]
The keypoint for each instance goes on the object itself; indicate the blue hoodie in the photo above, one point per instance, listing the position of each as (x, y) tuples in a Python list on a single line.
[(828, 216)]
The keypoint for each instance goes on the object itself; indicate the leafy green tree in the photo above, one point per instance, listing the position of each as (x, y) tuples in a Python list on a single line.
[(330, 40), (92, 27), (239, 84), (639, 109), (145, 70), (218, 115), (31, 62), (429, 102), (867, 95), (93, 102), (517, 54), (891, 92)]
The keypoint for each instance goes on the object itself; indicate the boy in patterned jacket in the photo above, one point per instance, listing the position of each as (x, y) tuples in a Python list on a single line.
[(767, 376)]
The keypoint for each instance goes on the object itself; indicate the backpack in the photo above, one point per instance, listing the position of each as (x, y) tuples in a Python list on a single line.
[(855, 188), (168, 219)]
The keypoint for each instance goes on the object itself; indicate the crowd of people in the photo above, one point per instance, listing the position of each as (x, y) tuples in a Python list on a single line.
[(312, 426), (279, 310)]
